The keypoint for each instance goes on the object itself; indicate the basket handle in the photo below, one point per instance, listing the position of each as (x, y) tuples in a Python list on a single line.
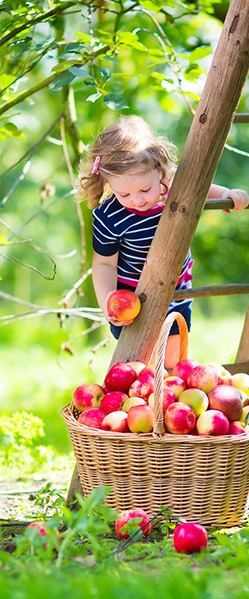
[(160, 347)]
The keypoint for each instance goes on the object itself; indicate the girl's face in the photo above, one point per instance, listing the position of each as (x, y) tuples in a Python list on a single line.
[(140, 192)]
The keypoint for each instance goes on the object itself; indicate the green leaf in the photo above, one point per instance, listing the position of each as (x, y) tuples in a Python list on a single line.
[(127, 38), (65, 79), (83, 37), (79, 72), (94, 97), (105, 73), (199, 53), (115, 102), (10, 130), (193, 72)]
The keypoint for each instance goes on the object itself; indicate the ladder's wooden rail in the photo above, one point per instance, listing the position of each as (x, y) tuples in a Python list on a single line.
[(241, 117)]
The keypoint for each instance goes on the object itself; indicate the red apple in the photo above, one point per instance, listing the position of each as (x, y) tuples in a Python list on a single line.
[(202, 377), (150, 369), (168, 398), (212, 422), (196, 399), (143, 386), (190, 538), (237, 427), (123, 304), (228, 400), (40, 525), (224, 376), (87, 396), (133, 519), (175, 383), (133, 401), (140, 419), (93, 417), (179, 418), (115, 421), (138, 366), (120, 377), (112, 401), (184, 367)]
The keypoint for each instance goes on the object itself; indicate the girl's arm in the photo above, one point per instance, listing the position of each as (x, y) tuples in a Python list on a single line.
[(239, 196), (104, 275)]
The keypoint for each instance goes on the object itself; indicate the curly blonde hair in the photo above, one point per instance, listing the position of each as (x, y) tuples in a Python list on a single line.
[(129, 145)]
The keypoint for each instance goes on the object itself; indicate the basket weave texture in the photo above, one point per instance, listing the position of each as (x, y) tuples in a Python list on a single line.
[(202, 479)]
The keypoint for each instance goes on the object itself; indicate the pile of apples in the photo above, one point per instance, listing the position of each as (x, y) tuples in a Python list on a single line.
[(198, 399)]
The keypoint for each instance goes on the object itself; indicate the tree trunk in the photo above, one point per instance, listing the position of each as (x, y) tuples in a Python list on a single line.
[(202, 151)]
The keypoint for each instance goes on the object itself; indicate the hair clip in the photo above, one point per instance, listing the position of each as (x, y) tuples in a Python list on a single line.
[(95, 166)]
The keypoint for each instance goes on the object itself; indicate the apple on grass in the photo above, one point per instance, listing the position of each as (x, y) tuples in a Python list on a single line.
[(184, 367), (133, 401), (113, 401), (92, 417), (120, 377), (202, 377), (175, 383), (115, 421), (168, 398), (179, 418), (228, 400), (140, 419), (143, 386), (130, 521), (87, 396), (190, 538), (40, 526), (123, 304), (196, 399), (212, 422)]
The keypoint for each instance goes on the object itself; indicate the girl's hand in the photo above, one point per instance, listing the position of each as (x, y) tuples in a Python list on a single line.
[(240, 199)]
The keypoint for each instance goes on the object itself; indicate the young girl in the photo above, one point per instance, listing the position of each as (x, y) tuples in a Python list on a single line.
[(137, 168)]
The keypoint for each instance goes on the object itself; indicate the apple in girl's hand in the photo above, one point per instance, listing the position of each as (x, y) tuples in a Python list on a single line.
[(120, 377), (184, 367), (112, 401), (202, 377), (228, 400), (138, 366), (241, 381), (132, 519), (115, 421), (133, 401), (196, 399), (93, 417), (87, 396), (224, 376), (212, 422), (143, 386), (237, 427), (175, 383), (168, 398), (179, 418), (190, 538), (140, 419), (123, 304)]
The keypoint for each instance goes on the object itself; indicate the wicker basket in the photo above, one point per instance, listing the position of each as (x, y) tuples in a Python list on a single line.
[(202, 479)]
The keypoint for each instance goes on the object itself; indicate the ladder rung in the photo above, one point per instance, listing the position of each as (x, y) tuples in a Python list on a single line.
[(241, 117), (212, 291), (226, 204)]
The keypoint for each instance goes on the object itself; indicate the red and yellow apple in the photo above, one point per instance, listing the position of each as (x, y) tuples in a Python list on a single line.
[(190, 537), (228, 400), (143, 386), (87, 396), (184, 367), (113, 401), (132, 519), (245, 415), (202, 377), (196, 399), (120, 377), (123, 304), (133, 401), (241, 381), (92, 417), (237, 427), (140, 419), (168, 398), (137, 365), (175, 383), (224, 376), (212, 422), (179, 418), (115, 421)]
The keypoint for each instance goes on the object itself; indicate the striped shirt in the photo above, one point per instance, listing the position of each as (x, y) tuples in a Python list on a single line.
[(130, 233)]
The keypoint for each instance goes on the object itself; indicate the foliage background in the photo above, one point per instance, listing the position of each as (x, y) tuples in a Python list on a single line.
[(68, 69)]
